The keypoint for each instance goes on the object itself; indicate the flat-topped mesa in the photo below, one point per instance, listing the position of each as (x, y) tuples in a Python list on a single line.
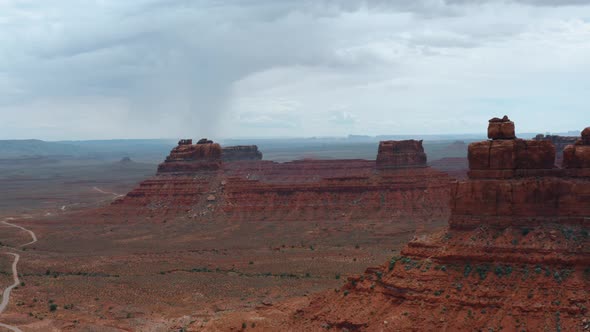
[(401, 154), (576, 157), (241, 152), (188, 157), (505, 156)]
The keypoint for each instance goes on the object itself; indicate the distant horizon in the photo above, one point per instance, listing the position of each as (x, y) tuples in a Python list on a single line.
[(349, 136)]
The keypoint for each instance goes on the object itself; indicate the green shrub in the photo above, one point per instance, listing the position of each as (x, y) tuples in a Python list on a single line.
[(482, 270), (467, 270), (392, 262)]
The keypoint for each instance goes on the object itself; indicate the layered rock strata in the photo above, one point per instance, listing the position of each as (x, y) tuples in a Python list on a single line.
[(190, 158), (501, 129), (515, 257), (195, 181), (401, 154)]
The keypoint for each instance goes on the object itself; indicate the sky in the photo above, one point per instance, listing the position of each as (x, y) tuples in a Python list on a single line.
[(276, 68)]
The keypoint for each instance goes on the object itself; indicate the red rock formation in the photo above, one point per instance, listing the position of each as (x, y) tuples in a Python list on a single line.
[(560, 143), (501, 128), (298, 190), (577, 156), (516, 256), (241, 152), (400, 154), (188, 157)]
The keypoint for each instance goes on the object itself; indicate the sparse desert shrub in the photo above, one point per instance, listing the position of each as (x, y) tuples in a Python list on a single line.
[(379, 275), (467, 270), (392, 262), (482, 270), (52, 307)]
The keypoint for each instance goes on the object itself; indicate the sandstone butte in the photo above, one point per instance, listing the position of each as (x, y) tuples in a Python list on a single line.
[(205, 181), (514, 257)]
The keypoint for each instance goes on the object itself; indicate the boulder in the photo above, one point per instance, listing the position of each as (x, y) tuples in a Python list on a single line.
[(501, 128)]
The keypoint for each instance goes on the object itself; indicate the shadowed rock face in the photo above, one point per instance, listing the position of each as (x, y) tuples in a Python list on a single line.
[(516, 254), (400, 154), (241, 152)]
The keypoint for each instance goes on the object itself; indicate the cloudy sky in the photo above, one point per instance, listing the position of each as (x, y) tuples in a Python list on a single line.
[(253, 68)]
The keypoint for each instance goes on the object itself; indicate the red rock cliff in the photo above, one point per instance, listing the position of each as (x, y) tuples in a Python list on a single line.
[(401, 154), (188, 157), (516, 255), (298, 190)]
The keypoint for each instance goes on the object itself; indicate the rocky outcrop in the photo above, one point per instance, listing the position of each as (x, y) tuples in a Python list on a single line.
[(560, 142), (501, 128), (241, 152), (189, 158), (298, 190), (509, 157), (401, 154), (516, 255), (577, 155)]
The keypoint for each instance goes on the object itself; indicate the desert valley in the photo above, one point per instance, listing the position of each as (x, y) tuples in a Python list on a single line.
[(220, 239)]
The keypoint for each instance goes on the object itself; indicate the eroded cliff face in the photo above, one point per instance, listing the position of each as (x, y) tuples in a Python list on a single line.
[(401, 154), (194, 181), (191, 158), (515, 257)]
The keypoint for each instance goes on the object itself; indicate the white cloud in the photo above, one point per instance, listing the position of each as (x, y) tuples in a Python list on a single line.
[(229, 68)]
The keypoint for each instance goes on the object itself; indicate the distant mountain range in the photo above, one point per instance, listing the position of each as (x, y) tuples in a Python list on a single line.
[(143, 149), (154, 150)]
